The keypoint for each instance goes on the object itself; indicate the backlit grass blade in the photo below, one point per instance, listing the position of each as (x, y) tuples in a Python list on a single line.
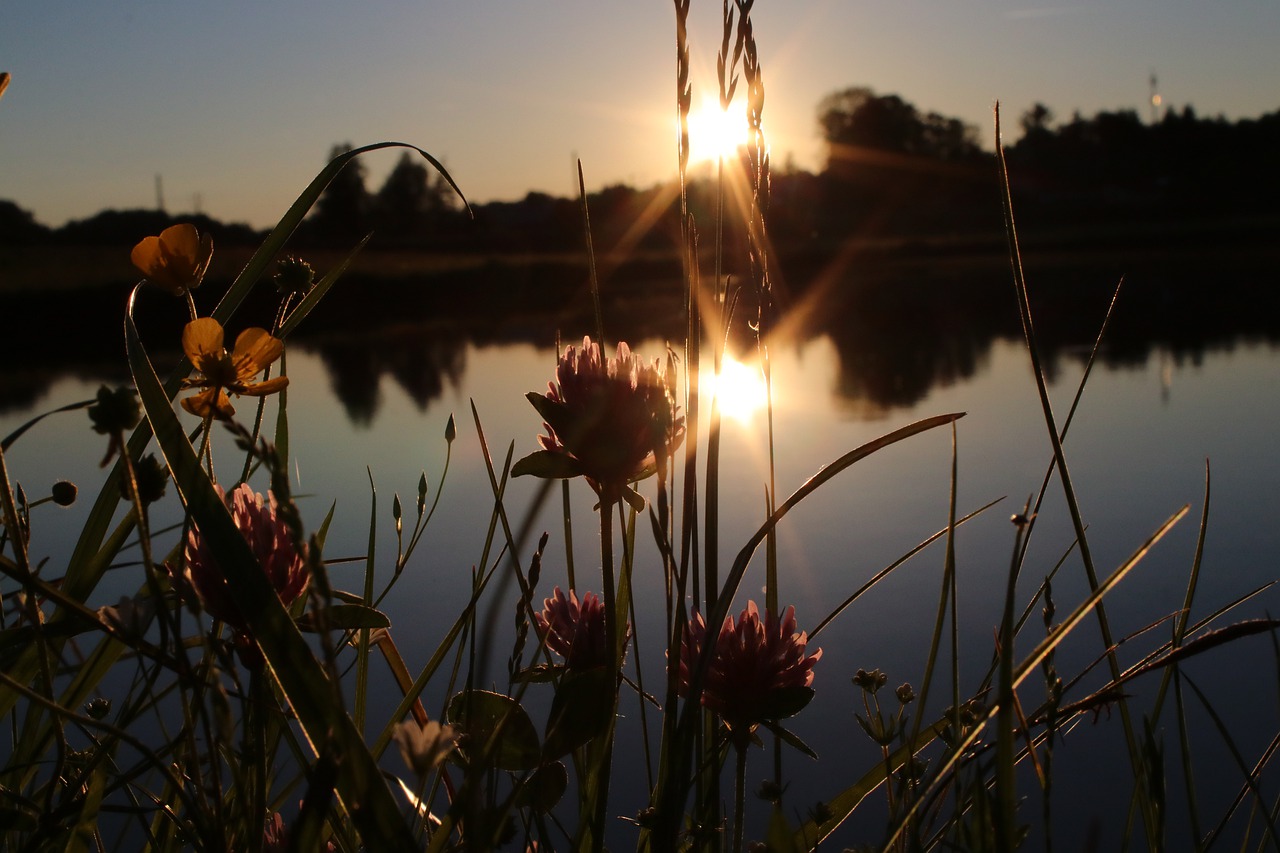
[(883, 573), (17, 433), (811, 834), (1250, 776), (257, 265), (671, 793), (302, 680), (86, 564), (1068, 490), (1037, 656)]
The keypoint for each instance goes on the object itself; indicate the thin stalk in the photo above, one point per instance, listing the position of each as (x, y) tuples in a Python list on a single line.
[(591, 258), (1006, 782), (256, 747), (568, 534), (739, 795), (601, 793), (1069, 493)]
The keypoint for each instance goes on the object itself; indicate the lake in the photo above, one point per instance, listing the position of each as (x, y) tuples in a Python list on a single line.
[(1178, 387)]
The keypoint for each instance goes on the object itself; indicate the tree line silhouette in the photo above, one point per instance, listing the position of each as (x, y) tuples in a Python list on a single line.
[(891, 171)]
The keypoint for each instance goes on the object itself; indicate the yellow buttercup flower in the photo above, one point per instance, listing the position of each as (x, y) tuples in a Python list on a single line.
[(176, 260), (224, 372)]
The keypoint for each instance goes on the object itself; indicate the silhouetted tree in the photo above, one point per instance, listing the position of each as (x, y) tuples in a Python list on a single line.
[(859, 118), (342, 214), (411, 203), (126, 227), (18, 227), (1036, 120)]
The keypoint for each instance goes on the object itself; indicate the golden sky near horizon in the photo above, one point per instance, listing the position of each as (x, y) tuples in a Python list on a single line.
[(236, 105)]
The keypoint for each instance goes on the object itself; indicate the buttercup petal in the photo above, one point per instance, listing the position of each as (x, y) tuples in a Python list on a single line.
[(209, 401), (202, 341), (262, 389), (255, 349), (146, 256), (181, 243)]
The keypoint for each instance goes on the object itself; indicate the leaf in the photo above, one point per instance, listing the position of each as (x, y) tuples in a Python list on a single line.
[(17, 433), (548, 465), (582, 709), (498, 730), (791, 739), (81, 835), (786, 702), (544, 788), (345, 617), (634, 499), (555, 413), (779, 839)]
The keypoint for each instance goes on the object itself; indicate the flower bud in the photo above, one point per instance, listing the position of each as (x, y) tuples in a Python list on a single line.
[(294, 275), (152, 477), (64, 493), (870, 681), (116, 411)]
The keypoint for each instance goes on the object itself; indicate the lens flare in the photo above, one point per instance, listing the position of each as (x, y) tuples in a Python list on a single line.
[(740, 390), (715, 133)]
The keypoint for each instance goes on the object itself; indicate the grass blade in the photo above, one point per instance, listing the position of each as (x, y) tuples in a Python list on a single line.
[(301, 678)]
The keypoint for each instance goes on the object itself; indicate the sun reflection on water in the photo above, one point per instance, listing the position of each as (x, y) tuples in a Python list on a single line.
[(740, 390)]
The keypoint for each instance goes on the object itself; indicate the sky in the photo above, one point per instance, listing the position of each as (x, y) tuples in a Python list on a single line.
[(235, 105)]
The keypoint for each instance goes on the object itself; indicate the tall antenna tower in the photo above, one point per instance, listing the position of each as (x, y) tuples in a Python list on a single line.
[(159, 193), (1156, 100)]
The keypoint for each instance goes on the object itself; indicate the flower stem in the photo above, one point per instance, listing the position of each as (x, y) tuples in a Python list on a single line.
[(739, 794), (601, 793)]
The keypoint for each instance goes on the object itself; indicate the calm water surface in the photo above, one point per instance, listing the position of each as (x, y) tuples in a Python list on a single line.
[(1137, 453)]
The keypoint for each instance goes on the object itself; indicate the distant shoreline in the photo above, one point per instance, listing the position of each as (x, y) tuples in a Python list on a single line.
[(52, 268)]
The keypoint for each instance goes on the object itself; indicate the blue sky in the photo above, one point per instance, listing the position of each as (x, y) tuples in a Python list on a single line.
[(236, 104)]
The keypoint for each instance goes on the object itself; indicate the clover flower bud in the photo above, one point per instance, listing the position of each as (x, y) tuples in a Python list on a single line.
[(610, 420), (260, 523), (574, 629), (762, 669)]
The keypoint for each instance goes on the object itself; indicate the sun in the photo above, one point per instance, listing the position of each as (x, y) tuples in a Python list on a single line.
[(715, 133), (740, 390)]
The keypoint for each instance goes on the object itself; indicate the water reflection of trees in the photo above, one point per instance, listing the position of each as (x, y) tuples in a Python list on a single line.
[(899, 325), (420, 362), (899, 333)]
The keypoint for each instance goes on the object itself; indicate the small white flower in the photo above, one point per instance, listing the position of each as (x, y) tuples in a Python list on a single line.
[(424, 747), (131, 616)]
